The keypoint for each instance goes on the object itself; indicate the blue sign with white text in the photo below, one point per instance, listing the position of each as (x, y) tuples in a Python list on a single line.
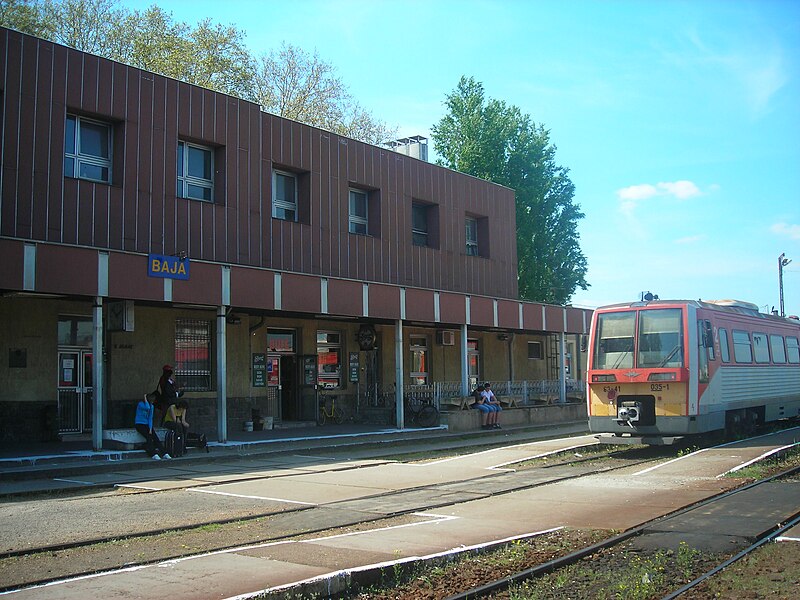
[(167, 267)]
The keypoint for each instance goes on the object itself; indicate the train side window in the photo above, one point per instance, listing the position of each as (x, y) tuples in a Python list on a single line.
[(724, 351), (708, 339), (792, 350), (760, 348), (742, 348), (778, 351)]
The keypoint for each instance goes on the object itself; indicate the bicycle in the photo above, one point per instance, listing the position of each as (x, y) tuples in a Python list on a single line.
[(335, 415), (421, 412)]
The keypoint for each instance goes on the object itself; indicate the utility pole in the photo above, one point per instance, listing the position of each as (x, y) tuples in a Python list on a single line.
[(782, 262)]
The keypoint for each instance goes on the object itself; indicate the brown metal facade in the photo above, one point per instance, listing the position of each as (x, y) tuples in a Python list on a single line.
[(139, 211)]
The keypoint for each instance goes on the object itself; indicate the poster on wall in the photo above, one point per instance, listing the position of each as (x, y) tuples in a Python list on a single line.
[(273, 371), (259, 369), (354, 367)]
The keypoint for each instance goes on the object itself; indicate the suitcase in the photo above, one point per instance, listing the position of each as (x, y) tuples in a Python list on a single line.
[(175, 444), (194, 440)]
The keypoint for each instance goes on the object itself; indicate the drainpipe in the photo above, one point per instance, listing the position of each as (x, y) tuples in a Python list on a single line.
[(398, 373), (98, 391), (562, 374), (222, 368), (464, 362)]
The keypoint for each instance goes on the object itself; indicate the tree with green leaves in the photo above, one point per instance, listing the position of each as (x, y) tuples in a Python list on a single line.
[(288, 82), (494, 141), (297, 85)]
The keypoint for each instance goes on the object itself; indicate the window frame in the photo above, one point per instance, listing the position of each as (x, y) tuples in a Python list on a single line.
[(739, 346), (202, 338), (724, 348), (418, 345), (327, 346), (792, 350), (78, 158), (355, 221), (471, 234), (777, 349), (185, 180), (536, 354), (420, 237), (282, 204), (760, 348)]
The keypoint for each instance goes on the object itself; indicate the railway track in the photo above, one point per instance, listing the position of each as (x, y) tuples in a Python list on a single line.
[(406, 503), (789, 506), (545, 470)]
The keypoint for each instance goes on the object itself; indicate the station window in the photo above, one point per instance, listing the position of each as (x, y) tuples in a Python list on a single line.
[(284, 196), (419, 224), (358, 220), (87, 149), (724, 350), (792, 350), (419, 360), (777, 349), (195, 172), (742, 349), (760, 348), (329, 360), (193, 354), (535, 351), (472, 236)]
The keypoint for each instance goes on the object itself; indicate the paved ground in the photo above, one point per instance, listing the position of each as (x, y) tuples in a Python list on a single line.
[(457, 501)]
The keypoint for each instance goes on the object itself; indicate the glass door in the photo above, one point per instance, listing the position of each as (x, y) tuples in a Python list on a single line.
[(75, 389)]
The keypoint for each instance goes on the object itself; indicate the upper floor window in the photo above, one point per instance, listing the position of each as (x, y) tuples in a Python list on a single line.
[(419, 224), (284, 196), (472, 236), (195, 172), (358, 221), (87, 149), (535, 350)]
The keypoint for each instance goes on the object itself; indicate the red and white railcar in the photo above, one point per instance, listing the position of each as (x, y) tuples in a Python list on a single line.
[(665, 369)]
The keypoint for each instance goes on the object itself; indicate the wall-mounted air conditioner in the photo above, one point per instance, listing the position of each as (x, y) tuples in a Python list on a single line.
[(446, 338)]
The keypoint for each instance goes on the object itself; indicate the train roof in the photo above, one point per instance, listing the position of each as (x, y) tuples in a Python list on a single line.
[(731, 306)]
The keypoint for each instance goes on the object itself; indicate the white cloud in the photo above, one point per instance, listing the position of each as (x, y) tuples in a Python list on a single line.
[(691, 239), (680, 190), (786, 230)]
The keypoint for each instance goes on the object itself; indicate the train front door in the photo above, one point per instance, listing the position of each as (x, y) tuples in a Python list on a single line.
[(75, 389)]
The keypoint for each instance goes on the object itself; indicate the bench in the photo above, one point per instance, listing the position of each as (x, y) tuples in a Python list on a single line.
[(128, 439), (466, 402)]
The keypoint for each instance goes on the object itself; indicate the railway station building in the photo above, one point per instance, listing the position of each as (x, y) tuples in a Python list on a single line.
[(145, 221)]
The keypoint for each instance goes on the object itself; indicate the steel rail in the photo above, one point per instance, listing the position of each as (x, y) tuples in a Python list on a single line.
[(565, 561), (780, 528)]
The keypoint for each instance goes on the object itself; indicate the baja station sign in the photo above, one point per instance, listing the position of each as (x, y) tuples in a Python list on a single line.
[(167, 267)]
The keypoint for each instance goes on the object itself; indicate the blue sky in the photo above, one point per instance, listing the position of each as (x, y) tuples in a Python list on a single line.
[(679, 121)]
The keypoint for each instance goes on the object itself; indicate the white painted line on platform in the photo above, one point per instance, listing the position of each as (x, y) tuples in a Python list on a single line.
[(758, 458), (332, 574), (250, 497), (139, 487), (669, 462), (540, 455), (73, 481), (783, 538)]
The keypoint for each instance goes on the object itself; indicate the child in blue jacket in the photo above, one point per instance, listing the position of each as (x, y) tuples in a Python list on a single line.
[(144, 425)]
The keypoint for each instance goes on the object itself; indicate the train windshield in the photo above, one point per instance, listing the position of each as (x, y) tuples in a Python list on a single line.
[(614, 340), (659, 344), (660, 339)]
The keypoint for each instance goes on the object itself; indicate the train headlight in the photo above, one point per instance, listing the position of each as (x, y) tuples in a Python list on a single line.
[(662, 377), (628, 413), (602, 378)]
